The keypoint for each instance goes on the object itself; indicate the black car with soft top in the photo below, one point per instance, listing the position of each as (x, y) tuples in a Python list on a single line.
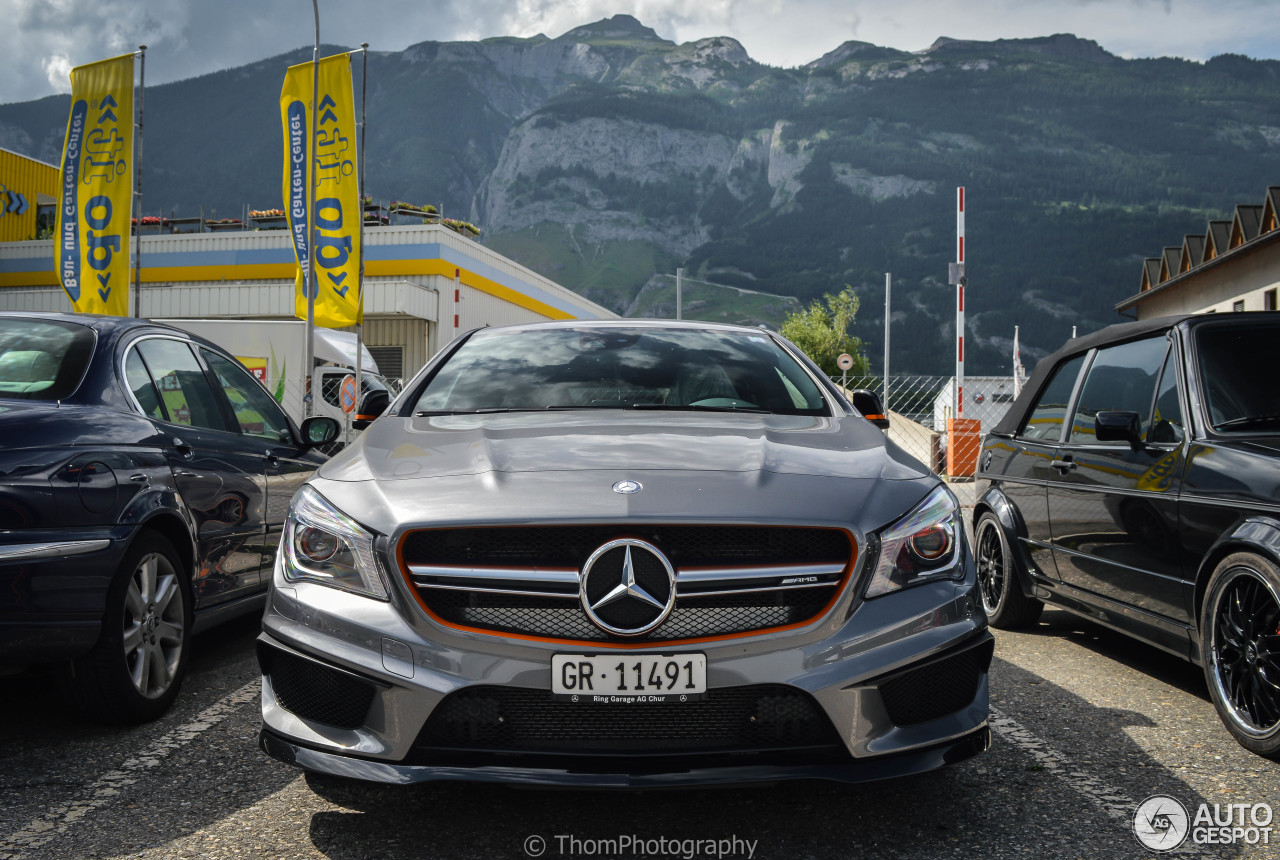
[(144, 480), (1136, 482)]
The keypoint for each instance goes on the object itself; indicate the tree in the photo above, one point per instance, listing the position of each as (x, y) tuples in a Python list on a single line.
[(822, 332)]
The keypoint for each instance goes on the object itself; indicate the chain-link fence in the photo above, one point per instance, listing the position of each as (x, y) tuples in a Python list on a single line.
[(920, 407)]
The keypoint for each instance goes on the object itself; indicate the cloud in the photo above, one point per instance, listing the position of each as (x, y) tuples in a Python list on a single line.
[(58, 70), (187, 38)]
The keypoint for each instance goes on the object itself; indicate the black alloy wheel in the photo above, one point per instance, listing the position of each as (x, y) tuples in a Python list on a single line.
[(1002, 598), (1240, 637)]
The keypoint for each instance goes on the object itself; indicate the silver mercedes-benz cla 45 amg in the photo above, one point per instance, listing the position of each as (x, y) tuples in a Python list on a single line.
[(632, 553)]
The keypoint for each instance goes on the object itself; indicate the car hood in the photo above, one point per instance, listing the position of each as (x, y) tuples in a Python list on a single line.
[(562, 466), (409, 448)]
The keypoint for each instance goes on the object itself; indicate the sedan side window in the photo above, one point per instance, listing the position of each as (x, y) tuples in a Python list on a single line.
[(1046, 418), (256, 413), (188, 398), (1121, 379), (144, 390)]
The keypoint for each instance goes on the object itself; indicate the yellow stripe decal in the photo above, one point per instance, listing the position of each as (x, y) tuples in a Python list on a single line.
[(285, 271)]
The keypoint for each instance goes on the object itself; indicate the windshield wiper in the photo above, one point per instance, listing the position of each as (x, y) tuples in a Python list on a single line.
[(1247, 420)]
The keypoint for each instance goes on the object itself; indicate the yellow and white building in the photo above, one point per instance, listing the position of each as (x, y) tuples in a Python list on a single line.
[(423, 284)]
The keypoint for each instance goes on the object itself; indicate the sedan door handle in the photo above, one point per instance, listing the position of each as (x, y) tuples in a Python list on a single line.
[(273, 459), (1064, 465), (182, 447)]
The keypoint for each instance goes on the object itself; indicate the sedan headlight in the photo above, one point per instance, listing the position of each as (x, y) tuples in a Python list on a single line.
[(921, 547), (322, 544)]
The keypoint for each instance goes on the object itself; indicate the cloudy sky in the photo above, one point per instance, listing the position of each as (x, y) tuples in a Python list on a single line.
[(43, 39)]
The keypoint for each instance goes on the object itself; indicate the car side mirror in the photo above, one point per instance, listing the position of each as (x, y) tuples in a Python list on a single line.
[(375, 403), (319, 430), (868, 403), (1118, 427)]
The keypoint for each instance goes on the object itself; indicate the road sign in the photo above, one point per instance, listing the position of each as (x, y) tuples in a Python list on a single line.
[(347, 394), (845, 361)]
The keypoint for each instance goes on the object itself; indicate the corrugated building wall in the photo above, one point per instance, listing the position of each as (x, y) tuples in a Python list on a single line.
[(25, 184)]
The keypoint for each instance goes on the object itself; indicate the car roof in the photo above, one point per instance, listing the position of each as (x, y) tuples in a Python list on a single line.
[(655, 324), (1112, 334), (98, 322)]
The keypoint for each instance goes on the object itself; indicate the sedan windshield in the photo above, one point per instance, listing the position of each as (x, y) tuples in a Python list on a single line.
[(1234, 360), (42, 359), (621, 368)]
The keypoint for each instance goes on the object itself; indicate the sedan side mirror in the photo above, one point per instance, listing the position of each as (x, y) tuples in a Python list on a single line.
[(1118, 427), (319, 430), (375, 403), (868, 403)]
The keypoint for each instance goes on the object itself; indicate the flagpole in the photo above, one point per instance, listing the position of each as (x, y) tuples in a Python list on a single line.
[(364, 95), (310, 274), (1017, 365), (137, 189)]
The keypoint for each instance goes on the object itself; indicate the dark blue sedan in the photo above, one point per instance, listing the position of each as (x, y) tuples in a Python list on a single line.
[(144, 480)]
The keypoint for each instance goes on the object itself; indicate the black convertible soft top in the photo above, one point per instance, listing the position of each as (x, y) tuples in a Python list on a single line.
[(1118, 333)]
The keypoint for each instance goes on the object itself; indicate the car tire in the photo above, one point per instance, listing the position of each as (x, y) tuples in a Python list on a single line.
[(135, 670), (1002, 598), (1240, 647)]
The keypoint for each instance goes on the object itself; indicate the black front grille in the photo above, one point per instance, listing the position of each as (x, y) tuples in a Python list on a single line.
[(569, 546), (936, 689), (761, 718), (317, 692), (693, 616)]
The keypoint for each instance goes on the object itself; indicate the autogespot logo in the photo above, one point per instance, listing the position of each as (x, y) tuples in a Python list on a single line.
[(1161, 823)]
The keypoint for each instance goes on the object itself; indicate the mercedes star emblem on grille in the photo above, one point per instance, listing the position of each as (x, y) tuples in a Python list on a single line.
[(628, 487), (628, 587)]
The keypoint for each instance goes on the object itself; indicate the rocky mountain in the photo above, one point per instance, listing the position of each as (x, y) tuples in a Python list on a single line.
[(608, 156)]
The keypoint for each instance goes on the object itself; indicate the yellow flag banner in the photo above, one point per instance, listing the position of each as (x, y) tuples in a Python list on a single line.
[(97, 189), (337, 212)]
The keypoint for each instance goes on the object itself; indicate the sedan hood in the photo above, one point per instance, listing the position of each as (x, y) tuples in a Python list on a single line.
[(438, 446), (539, 467)]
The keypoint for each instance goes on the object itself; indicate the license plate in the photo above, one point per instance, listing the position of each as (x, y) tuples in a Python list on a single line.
[(629, 678)]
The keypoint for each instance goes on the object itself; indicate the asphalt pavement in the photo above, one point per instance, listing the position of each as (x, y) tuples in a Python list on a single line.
[(1087, 725)]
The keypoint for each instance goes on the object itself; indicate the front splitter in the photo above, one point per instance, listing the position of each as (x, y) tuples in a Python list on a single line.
[(852, 771)]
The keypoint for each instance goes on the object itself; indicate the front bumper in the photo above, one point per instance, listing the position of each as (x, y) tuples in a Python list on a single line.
[(53, 591), (884, 678)]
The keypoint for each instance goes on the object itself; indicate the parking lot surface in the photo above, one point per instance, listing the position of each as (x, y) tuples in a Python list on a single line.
[(1087, 725)]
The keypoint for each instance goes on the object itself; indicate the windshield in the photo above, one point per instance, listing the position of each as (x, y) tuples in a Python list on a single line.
[(621, 368), (1234, 360), (42, 359)]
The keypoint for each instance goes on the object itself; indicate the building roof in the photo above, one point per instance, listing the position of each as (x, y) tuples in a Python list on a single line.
[(1217, 239), (1245, 227), (1251, 226), (1192, 252)]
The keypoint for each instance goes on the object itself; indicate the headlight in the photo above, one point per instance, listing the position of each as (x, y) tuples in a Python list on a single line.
[(921, 547), (322, 544)]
